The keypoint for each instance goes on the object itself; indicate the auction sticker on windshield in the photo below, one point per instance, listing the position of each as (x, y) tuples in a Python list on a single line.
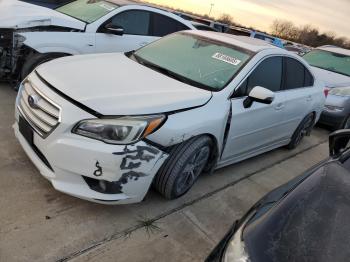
[(227, 59), (107, 7)]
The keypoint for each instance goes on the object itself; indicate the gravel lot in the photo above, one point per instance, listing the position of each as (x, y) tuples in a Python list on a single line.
[(38, 223)]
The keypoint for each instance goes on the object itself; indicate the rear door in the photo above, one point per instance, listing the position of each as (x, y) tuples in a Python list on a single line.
[(299, 90), (259, 127)]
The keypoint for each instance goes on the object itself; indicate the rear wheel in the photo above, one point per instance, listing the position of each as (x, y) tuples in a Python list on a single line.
[(303, 129), (184, 165)]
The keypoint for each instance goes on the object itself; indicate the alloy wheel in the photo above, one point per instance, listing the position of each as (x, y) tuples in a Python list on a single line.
[(192, 170)]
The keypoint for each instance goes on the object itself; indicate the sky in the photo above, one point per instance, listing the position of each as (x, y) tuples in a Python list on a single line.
[(326, 15)]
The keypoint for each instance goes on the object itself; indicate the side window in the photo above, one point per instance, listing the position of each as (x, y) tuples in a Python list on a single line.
[(309, 79), (267, 74), (134, 22), (163, 25), (297, 75)]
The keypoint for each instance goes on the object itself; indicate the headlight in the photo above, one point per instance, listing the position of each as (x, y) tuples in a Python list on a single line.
[(235, 251), (334, 108), (124, 130), (340, 91)]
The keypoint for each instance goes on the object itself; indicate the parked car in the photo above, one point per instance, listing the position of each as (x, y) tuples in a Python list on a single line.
[(217, 26), (332, 65), (31, 34), (189, 102), (48, 3), (303, 220), (273, 40), (234, 30), (204, 27), (295, 48)]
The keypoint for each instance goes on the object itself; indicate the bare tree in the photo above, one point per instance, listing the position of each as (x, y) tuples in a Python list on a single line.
[(284, 29), (307, 34), (226, 19)]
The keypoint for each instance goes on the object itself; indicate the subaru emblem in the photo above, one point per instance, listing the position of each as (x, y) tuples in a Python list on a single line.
[(33, 101)]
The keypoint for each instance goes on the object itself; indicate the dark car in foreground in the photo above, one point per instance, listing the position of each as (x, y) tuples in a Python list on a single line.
[(306, 219), (48, 3)]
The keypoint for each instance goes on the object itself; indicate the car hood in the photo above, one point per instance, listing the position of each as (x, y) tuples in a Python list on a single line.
[(19, 15), (331, 79), (113, 84)]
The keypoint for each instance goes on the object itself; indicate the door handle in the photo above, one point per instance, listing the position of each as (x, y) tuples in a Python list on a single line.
[(143, 44), (279, 106), (309, 98)]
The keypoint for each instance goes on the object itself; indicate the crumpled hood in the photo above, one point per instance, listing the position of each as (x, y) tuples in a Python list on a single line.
[(331, 79), (19, 15), (113, 84)]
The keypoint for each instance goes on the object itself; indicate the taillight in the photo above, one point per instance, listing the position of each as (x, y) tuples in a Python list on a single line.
[(326, 91)]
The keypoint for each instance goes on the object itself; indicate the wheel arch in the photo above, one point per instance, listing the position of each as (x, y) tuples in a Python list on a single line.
[(214, 153)]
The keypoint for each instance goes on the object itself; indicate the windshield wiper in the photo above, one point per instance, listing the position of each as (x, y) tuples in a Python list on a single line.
[(169, 73)]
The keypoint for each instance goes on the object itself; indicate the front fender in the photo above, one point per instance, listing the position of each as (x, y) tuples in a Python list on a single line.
[(209, 119), (60, 42)]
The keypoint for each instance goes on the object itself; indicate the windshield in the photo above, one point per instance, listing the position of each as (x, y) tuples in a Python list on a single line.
[(330, 61), (87, 11), (195, 60)]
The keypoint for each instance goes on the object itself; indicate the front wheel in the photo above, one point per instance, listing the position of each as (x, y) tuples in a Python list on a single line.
[(346, 124), (184, 165), (302, 130), (34, 60)]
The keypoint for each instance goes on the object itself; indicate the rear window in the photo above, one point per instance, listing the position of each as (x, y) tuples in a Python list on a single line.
[(330, 61), (87, 11)]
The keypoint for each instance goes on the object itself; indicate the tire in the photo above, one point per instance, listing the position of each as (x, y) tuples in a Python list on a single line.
[(346, 123), (184, 165), (303, 129), (35, 60)]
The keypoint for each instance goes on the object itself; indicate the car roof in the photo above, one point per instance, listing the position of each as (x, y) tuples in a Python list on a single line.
[(335, 49), (249, 43)]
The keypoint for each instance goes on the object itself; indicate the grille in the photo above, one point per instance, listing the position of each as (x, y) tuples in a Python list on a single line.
[(41, 113)]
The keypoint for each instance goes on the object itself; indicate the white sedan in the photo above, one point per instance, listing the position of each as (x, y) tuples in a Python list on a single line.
[(105, 127), (31, 35)]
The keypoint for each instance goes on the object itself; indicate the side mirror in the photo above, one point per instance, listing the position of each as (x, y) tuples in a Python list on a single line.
[(338, 142), (259, 94), (113, 29)]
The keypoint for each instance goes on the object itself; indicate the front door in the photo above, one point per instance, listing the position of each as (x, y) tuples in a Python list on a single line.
[(136, 25), (259, 127)]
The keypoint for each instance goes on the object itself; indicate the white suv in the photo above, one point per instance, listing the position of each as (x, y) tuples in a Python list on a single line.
[(31, 35), (104, 127)]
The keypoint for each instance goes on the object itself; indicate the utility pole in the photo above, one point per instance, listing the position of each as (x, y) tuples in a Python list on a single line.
[(211, 8)]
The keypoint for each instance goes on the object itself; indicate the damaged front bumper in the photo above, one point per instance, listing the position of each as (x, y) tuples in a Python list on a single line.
[(83, 171), (87, 168), (11, 52)]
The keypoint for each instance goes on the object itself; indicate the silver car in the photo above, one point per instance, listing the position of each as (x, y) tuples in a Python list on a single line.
[(161, 115), (332, 65)]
